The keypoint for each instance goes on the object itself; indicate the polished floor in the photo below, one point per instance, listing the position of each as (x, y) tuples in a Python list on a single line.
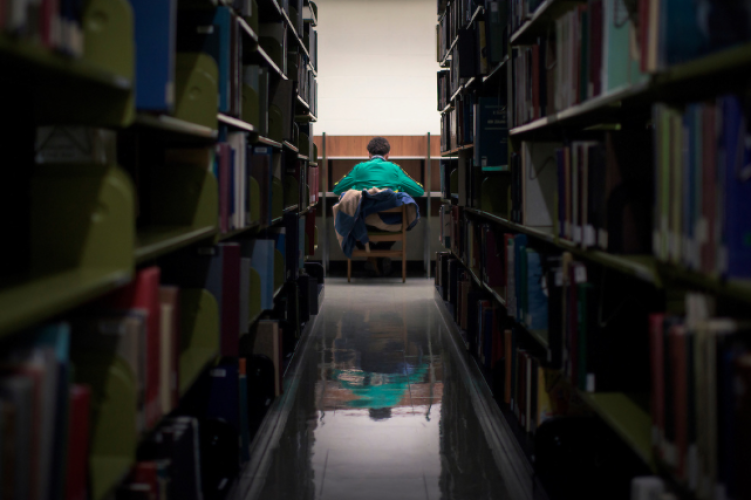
[(380, 403)]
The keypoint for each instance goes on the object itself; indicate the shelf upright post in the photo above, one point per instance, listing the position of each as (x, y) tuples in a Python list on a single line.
[(325, 182), (429, 206)]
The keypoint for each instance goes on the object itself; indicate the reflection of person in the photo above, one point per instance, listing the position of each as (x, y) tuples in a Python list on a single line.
[(380, 173)]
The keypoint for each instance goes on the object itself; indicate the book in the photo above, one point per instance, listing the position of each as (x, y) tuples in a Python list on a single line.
[(78, 443), (230, 299), (143, 293), (210, 31), (539, 185), (169, 299), (490, 134), (267, 341), (261, 254), (536, 313), (155, 41)]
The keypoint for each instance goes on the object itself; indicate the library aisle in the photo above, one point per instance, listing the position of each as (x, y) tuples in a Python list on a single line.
[(381, 403)]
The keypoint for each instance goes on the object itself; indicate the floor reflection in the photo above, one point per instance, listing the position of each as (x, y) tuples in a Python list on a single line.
[(381, 411)]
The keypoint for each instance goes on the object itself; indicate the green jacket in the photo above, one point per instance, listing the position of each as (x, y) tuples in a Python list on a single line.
[(381, 174)]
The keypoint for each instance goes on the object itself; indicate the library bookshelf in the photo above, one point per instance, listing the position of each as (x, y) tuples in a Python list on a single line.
[(592, 270), (162, 202)]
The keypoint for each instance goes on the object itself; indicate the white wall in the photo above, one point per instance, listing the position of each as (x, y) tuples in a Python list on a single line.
[(376, 67)]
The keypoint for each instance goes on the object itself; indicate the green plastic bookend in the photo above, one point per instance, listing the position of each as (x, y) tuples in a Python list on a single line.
[(251, 111), (109, 36), (279, 271), (255, 200), (274, 49), (184, 195), (277, 198), (199, 333), (114, 403), (196, 88), (255, 293), (493, 194), (82, 217), (291, 191), (276, 123)]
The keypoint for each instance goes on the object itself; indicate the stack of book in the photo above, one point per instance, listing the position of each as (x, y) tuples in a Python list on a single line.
[(700, 366), (57, 26), (152, 228), (702, 192)]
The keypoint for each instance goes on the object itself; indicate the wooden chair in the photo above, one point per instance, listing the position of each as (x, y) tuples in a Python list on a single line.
[(376, 237)]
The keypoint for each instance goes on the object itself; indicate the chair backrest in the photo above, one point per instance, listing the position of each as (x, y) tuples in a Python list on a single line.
[(398, 210)]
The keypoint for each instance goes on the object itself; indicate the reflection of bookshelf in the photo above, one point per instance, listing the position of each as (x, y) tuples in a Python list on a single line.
[(156, 153), (623, 151), (417, 155)]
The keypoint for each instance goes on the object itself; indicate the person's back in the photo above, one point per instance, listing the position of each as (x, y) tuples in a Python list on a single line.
[(379, 172)]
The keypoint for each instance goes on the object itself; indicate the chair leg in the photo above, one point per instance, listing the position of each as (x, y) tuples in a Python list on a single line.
[(349, 270), (404, 266)]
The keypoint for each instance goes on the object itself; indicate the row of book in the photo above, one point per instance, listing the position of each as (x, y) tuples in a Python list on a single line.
[(606, 45), (576, 454), (219, 34), (594, 193), (590, 54), (519, 11), (66, 385), (674, 32), (256, 182), (702, 190), (481, 122), (518, 375), (557, 298), (478, 43), (77, 397), (256, 97), (307, 85), (700, 398), (476, 52), (457, 16), (55, 25)]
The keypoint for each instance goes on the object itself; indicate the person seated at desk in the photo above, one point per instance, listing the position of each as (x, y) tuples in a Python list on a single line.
[(380, 173)]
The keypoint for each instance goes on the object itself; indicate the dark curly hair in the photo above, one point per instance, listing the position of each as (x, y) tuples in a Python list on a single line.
[(378, 146)]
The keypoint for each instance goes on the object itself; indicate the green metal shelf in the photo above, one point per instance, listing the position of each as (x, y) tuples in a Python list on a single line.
[(38, 299), (669, 83), (235, 123), (302, 103), (155, 241), (308, 118), (453, 152), (268, 142), (536, 335), (495, 70), (313, 19), (265, 58), (627, 418), (247, 30), (597, 106), (44, 61), (733, 288), (293, 31), (643, 267), (171, 125), (237, 232), (538, 24), (448, 52), (730, 59)]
